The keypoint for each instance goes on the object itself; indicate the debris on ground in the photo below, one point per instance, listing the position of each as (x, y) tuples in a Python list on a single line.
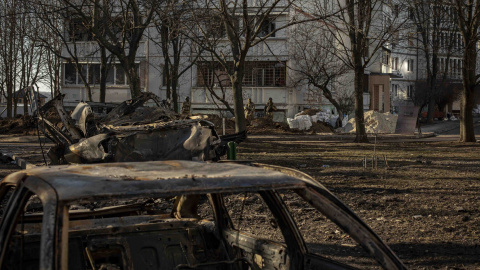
[(316, 120), (129, 131), (375, 122), (19, 125), (310, 112)]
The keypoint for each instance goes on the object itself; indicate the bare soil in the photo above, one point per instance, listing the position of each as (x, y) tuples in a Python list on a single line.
[(425, 204)]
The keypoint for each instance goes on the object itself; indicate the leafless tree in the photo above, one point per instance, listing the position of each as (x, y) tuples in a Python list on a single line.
[(63, 38), (228, 30), (316, 64), (21, 58), (362, 29), (119, 27), (437, 39), (216, 82), (170, 23)]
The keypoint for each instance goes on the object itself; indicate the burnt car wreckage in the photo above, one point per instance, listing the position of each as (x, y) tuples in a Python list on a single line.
[(130, 131), (143, 234)]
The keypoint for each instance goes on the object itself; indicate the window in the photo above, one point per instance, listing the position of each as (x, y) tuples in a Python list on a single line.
[(212, 74), (77, 31), (267, 74), (23, 251), (386, 57), (411, 14), (119, 75), (410, 91), (395, 90), (410, 65), (91, 72), (366, 50), (240, 208), (70, 74), (94, 74), (411, 39), (267, 27), (395, 63)]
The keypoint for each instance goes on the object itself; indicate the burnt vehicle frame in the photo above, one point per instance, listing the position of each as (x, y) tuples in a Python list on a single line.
[(140, 129), (61, 186)]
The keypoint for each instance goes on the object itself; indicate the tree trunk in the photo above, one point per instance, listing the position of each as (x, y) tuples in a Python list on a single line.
[(175, 93), (103, 74), (467, 132), (133, 79), (240, 123), (361, 135), (25, 104)]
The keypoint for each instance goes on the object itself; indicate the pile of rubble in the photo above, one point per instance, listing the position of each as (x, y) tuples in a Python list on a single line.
[(375, 122), (304, 121)]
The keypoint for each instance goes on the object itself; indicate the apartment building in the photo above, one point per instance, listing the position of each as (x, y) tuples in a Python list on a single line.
[(409, 59), (390, 77), (266, 76)]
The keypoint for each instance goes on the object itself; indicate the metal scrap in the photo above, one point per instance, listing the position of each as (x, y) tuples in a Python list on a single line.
[(140, 129)]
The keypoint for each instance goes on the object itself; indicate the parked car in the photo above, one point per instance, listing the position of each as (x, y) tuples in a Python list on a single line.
[(173, 215)]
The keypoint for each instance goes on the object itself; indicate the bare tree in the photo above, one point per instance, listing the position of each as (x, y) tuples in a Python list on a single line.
[(9, 50), (317, 64), (362, 29), (21, 58), (63, 38), (119, 27), (438, 42), (170, 22), (216, 82), (228, 30), (467, 18)]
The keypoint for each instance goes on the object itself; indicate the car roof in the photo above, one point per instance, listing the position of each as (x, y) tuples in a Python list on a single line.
[(157, 178)]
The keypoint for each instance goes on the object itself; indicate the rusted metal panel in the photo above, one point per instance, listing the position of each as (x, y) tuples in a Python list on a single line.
[(162, 178)]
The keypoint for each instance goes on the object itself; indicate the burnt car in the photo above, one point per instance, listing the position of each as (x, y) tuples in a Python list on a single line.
[(140, 129), (130, 216)]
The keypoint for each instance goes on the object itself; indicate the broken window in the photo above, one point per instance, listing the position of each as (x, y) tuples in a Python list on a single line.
[(91, 72), (325, 238), (250, 214), (23, 247)]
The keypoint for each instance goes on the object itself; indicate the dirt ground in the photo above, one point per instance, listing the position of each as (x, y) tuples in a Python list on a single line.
[(425, 205)]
